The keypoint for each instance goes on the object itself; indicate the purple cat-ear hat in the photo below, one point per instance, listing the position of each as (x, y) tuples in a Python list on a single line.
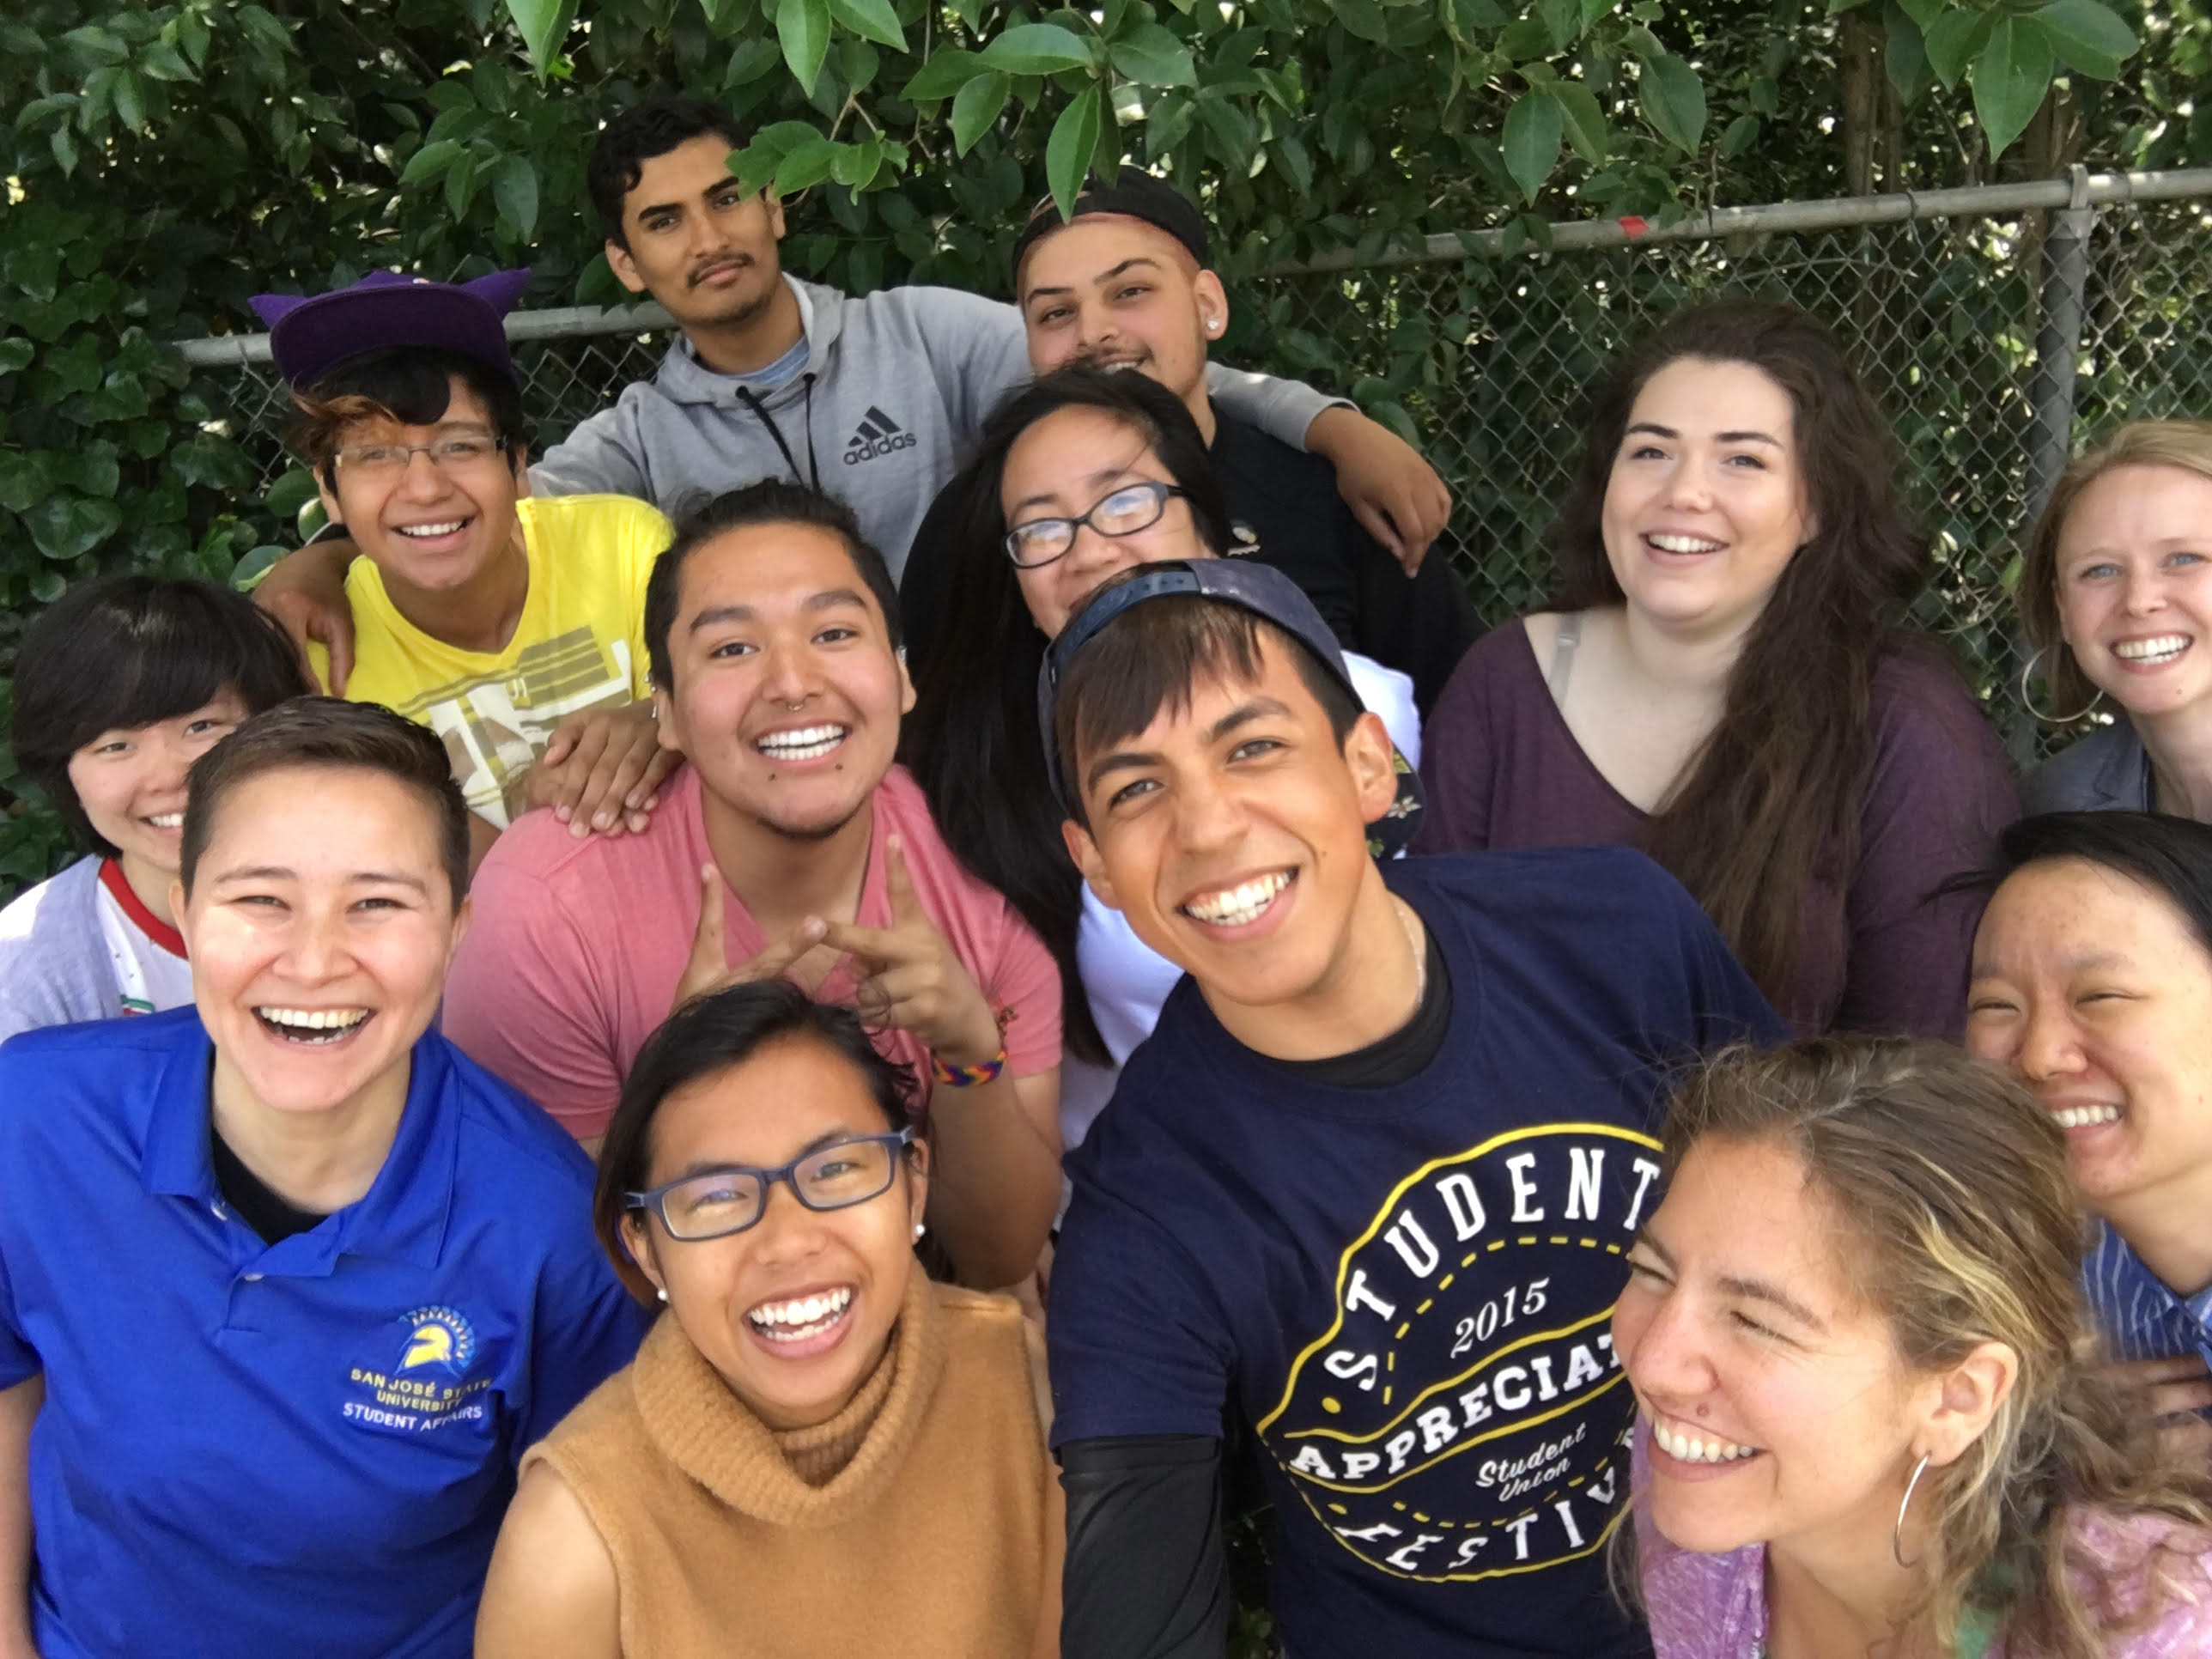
[(311, 334)]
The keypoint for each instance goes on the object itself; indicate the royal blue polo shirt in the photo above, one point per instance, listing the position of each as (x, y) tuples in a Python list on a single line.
[(1405, 1292), (303, 1448)]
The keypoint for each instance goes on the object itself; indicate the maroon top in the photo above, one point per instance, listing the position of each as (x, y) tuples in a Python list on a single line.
[(1503, 771)]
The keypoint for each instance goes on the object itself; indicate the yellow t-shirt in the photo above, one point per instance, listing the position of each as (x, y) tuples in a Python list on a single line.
[(580, 644)]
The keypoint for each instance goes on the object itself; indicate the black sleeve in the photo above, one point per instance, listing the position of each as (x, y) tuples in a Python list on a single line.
[(1146, 1575), (925, 580), (1421, 625)]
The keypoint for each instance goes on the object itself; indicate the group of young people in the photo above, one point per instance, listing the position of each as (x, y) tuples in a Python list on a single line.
[(1499, 1101)]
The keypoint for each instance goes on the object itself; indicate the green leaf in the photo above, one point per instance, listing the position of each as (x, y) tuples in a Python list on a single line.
[(1365, 19), (1531, 140), (1741, 135), (515, 191), (1593, 11), (857, 165), (1152, 57), (1953, 41), (1290, 155), (291, 492), (949, 69), (24, 481), (2010, 78), (805, 166), (803, 27), (1674, 101), (1906, 55), (68, 527), (1923, 12), (872, 20), (430, 161), (1563, 20), (753, 58), (545, 25), (1067, 153), (16, 355), (1038, 49), (130, 100), (976, 106), (2086, 36), (1586, 128)]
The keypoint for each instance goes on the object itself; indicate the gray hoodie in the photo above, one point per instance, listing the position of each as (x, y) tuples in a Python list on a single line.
[(895, 384)]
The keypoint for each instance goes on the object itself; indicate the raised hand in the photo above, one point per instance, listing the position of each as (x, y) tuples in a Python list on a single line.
[(708, 968), (2176, 1392), (909, 979)]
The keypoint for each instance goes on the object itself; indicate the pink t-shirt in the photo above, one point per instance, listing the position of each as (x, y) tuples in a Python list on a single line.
[(575, 948)]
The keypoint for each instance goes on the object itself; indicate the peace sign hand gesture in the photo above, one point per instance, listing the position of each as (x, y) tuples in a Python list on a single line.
[(908, 978), (708, 968)]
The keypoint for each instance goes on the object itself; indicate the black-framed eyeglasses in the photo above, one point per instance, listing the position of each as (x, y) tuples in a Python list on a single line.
[(715, 1203), (1130, 508)]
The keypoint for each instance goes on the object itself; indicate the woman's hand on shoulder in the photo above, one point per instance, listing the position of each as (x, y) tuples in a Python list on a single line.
[(550, 1593)]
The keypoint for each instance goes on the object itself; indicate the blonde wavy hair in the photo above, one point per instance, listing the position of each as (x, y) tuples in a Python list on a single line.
[(1949, 1182), (2185, 445)]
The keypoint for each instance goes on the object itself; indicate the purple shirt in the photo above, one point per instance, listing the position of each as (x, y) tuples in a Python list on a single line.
[(1714, 1606), (1503, 771)]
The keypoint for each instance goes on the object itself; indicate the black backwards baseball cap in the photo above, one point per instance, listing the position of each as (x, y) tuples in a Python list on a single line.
[(1134, 194), (1268, 594), (310, 335)]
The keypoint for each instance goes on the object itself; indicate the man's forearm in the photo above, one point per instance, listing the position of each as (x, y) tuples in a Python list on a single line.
[(1147, 1575), (1281, 408), (994, 1181)]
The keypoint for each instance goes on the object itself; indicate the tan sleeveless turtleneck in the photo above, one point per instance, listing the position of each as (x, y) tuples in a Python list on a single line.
[(914, 1522)]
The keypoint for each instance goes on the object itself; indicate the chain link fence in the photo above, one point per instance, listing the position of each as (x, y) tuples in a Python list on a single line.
[(1997, 328)]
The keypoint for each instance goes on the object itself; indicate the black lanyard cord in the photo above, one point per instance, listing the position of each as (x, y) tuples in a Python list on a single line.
[(746, 396)]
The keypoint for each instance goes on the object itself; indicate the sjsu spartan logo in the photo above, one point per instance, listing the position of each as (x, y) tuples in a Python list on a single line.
[(1465, 1417), (438, 1336), (425, 1384)]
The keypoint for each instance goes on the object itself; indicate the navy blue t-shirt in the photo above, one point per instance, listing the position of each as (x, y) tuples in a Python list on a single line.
[(1407, 1290)]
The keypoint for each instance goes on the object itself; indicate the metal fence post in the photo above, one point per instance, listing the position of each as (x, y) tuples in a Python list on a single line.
[(2050, 391)]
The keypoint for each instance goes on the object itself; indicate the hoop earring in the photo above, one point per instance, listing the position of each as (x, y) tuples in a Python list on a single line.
[(2026, 673), (1897, 1538)]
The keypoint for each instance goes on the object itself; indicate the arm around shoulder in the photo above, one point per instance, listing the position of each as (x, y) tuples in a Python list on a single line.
[(551, 1593)]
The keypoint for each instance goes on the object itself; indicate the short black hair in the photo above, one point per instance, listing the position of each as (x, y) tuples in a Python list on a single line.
[(1152, 657), (129, 651), (634, 137), (2171, 856), (769, 501), (705, 1036), (327, 733), (411, 384)]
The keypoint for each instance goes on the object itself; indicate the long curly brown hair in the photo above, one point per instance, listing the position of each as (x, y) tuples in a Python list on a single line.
[(1772, 798)]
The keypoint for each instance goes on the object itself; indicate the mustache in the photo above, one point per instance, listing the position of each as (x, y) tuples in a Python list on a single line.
[(727, 262)]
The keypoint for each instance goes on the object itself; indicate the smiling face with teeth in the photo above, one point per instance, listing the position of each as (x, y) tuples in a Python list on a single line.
[(1060, 468), (1780, 1410), (131, 787), (1706, 505), (2096, 991), (2134, 570), (794, 1312), (1232, 833), (787, 691), (1115, 291), (319, 925), (444, 529)]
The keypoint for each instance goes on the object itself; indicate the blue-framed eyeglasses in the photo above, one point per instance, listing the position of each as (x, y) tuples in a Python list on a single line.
[(715, 1203)]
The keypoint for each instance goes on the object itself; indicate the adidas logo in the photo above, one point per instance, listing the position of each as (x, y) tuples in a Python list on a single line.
[(877, 435)]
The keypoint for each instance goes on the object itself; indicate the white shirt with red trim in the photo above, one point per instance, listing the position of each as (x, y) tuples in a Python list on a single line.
[(81, 946), (151, 974)]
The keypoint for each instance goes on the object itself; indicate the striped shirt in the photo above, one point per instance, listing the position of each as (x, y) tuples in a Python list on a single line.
[(2139, 1316)]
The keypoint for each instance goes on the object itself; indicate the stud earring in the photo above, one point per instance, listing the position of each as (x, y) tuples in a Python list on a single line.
[(662, 1294), (920, 1228)]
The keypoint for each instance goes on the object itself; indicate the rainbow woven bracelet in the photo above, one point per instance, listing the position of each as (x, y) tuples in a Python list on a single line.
[(967, 1077)]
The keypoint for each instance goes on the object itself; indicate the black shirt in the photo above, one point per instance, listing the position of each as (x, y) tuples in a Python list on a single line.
[(1287, 502), (259, 1205)]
